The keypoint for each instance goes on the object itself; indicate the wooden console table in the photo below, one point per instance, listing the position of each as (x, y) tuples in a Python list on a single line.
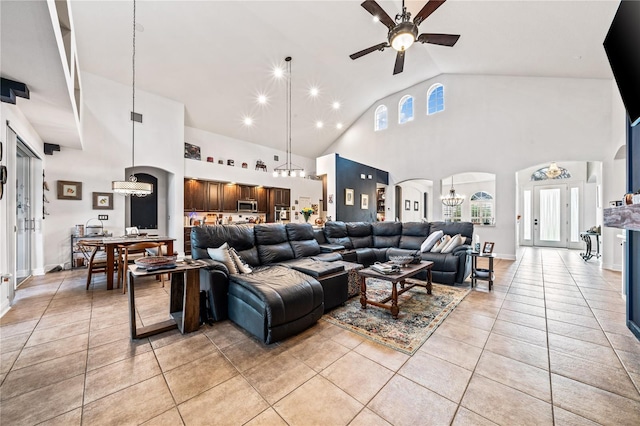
[(184, 300)]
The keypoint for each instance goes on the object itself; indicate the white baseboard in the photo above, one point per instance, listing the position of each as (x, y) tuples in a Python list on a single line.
[(612, 267), (38, 271), (4, 308), (506, 256)]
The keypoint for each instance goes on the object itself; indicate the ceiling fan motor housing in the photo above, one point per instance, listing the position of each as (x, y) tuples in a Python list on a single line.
[(402, 36)]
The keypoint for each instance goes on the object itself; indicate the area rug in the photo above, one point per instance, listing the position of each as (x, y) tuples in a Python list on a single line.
[(420, 314)]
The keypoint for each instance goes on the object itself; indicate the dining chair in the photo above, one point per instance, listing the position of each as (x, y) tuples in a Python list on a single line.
[(96, 257), (131, 252)]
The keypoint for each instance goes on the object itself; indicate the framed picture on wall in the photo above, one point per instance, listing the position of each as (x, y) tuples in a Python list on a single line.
[(416, 206), (364, 201), (69, 190), (348, 197), (407, 204), (102, 201)]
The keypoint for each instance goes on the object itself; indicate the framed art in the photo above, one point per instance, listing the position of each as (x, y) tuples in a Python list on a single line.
[(103, 200), (416, 206), (364, 201), (487, 248), (348, 197), (407, 204), (69, 190), (192, 151)]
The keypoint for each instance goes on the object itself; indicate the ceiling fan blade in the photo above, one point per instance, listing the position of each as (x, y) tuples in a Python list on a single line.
[(441, 39), (427, 10), (397, 69), (374, 8), (368, 50)]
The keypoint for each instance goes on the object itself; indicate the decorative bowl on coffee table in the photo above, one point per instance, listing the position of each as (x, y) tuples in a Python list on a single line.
[(401, 260)]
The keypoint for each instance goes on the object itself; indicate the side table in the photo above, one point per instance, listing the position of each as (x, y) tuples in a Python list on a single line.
[(184, 300), (484, 275)]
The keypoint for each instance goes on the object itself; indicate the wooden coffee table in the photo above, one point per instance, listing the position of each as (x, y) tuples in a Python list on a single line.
[(395, 279)]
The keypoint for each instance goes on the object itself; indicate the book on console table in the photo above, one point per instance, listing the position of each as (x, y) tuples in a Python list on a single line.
[(385, 268)]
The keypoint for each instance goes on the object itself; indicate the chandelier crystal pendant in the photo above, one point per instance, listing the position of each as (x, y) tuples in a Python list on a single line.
[(132, 186), (453, 199), (288, 169)]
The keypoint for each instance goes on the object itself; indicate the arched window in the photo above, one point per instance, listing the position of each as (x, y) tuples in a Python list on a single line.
[(548, 173), (482, 206), (435, 99), (405, 109), (381, 118)]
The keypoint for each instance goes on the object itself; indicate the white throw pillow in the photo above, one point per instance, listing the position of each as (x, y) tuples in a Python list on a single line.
[(442, 243), (431, 240), (242, 266), (456, 241), (221, 254)]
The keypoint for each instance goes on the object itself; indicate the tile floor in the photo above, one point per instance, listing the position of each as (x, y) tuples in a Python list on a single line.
[(548, 346)]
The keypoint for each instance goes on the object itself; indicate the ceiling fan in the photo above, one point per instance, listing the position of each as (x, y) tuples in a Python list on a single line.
[(403, 33)]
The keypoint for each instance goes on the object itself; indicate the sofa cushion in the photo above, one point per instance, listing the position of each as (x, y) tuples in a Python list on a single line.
[(431, 241), (358, 229), (302, 239), (221, 254), (452, 228), (386, 234), (241, 265), (442, 243), (240, 237), (413, 234), (456, 241), (273, 244), (336, 233), (361, 242)]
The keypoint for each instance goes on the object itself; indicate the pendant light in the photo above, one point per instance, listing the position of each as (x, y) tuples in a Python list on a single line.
[(132, 186), (288, 169), (453, 199)]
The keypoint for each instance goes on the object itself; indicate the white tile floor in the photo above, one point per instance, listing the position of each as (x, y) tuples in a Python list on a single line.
[(548, 346)]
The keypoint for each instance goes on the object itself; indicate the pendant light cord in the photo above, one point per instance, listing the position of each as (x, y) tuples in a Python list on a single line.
[(133, 97)]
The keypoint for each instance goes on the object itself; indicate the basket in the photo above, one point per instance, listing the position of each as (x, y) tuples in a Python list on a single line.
[(482, 273)]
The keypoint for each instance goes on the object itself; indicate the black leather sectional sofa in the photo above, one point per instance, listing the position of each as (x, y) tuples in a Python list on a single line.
[(298, 272)]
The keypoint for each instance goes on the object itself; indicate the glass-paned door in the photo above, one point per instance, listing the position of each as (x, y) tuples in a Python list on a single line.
[(25, 221), (549, 216)]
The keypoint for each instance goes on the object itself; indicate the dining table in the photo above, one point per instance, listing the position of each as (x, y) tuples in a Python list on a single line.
[(111, 243)]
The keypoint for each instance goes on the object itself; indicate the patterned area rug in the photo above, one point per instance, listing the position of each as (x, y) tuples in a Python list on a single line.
[(420, 314)]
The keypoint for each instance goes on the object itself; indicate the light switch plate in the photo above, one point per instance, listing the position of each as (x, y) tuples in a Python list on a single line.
[(103, 217)]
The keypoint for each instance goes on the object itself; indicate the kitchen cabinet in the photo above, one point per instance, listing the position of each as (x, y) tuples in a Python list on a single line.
[(229, 197), (214, 197), (187, 240), (261, 196), (194, 195), (246, 192), (282, 197)]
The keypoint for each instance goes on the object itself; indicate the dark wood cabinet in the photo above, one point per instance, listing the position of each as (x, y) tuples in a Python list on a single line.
[(261, 196), (282, 197), (187, 241), (229, 197), (214, 197), (246, 192), (194, 195)]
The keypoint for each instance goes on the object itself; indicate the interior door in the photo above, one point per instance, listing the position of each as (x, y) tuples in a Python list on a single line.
[(25, 221), (550, 216)]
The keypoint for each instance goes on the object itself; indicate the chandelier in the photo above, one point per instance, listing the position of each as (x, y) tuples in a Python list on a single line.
[(132, 186), (553, 171), (453, 199), (288, 169)]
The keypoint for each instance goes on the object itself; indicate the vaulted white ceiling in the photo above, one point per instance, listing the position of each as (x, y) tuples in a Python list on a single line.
[(216, 56)]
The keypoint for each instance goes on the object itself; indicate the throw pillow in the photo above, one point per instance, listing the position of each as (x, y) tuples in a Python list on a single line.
[(442, 243), (430, 241), (243, 267), (456, 241), (221, 254)]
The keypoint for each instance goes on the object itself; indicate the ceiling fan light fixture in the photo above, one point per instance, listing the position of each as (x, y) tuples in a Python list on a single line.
[(403, 36)]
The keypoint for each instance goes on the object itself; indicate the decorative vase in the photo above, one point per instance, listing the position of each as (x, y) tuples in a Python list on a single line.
[(306, 218)]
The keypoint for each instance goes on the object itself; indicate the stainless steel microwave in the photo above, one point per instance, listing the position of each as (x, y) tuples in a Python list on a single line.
[(247, 206)]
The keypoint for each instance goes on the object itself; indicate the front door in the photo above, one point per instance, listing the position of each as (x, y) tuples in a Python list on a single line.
[(550, 216)]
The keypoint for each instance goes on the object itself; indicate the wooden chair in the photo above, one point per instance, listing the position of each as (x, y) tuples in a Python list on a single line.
[(95, 256), (129, 252)]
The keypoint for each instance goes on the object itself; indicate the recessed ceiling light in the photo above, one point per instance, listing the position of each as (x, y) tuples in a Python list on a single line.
[(314, 91), (339, 126), (319, 124), (248, 121), (262, 99), (336, 105), (278, 72)]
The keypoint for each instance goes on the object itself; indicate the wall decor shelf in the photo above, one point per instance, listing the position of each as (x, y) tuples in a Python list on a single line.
[(623, 217)]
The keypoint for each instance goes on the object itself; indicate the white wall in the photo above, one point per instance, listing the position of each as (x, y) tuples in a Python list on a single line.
[(106, 156), (413, 191), (326, 165), (492, 124)]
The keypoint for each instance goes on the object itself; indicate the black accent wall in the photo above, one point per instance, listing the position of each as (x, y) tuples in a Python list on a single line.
[(633, 237), (348, 176)]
